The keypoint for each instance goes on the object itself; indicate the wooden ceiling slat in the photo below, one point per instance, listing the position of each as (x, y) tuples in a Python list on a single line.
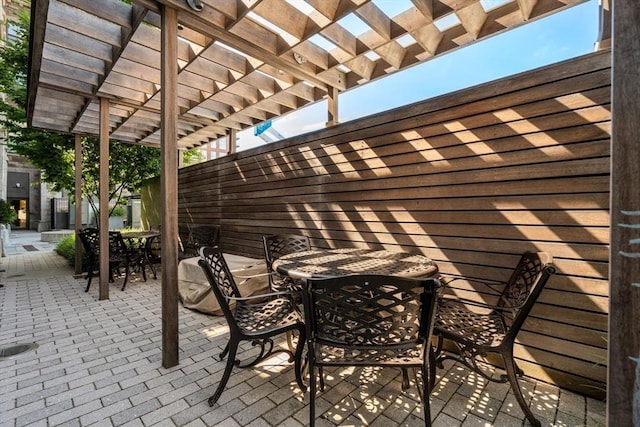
[(332, 9), (137, 70), (257, 35), (376, 19), (67, 39), (64, 70), (288, 18), (425, 7), (342, 38), (204, 69), (84, 23), (72, 99), (526, 7), (69, 84), (73, 59), (118, 79), (112, 12), (226, 58), (472, 19)]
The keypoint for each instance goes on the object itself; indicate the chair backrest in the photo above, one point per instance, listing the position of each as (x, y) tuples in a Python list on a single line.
[(153, 246), (277, 245), (192, 238), (219, 277), (370, 310), (117, 246), (90, 238), (524, 286), (205, 235)]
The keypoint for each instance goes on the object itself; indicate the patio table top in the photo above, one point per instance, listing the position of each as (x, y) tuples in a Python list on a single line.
[(340, 262)]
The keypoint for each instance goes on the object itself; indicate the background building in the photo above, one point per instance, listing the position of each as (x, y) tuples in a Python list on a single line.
[(20, 183)]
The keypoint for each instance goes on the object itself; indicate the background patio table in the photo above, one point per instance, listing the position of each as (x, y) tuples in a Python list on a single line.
[(340, 262), (138, 240)]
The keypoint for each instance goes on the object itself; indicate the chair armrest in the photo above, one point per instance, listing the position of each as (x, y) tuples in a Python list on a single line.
[(446, 280), (456, 300), (444, 300), (250, 276), (252, 297)]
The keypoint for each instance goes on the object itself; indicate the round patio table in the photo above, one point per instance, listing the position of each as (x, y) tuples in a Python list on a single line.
[(342, 262)]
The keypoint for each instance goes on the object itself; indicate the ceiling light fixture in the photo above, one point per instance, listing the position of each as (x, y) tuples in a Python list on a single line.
[(299, 58)]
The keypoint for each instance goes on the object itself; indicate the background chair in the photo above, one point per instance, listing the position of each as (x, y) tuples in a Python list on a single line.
[(131, 257), (192, 238), (153, 252), (276, 246), (119, 255), (370, 320), (90, 238), (257, 319), (477, 328)]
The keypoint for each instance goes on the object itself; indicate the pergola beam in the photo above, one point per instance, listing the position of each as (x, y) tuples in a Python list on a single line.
[(103, 192)]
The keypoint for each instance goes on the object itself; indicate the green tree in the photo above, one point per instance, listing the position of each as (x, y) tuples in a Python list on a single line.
[(192, 156), (54, 153)]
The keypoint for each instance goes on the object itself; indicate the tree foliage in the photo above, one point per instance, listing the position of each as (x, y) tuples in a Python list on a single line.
[(54, 153)]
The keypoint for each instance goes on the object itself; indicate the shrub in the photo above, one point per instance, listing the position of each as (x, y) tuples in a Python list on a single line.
[(66, 248), (118, 211), (7, 213)]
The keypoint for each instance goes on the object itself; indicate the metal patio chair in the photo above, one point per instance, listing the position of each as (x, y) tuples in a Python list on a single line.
[(277, 245), (119, 255), (370, 320), (477, 328), (153, 252), (256, 319)]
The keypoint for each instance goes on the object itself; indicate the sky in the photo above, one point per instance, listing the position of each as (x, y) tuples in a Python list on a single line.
[(555, 38)]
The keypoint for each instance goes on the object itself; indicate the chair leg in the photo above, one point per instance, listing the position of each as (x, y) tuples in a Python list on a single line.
[(233, 348), (144, 270), (290, 341), (321, 373), (432, 369), (224, 352), (298, 358), (126, 276), (405, 379), (512, 369), (153, 270), (90, 276), (312, 393), (426, 389)]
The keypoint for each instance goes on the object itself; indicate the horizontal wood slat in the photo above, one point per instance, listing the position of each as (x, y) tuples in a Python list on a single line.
[(471, 179)]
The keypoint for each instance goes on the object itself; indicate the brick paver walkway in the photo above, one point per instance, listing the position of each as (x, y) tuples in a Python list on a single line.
[(98, 363)]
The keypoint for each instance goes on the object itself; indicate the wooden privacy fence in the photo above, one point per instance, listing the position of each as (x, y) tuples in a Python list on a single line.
[(471, 179)]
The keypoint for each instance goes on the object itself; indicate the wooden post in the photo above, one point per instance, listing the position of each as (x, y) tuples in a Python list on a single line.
[(78, 204), (332, 107), (623, 397), (232, 143), (169, 186), (104, 199)]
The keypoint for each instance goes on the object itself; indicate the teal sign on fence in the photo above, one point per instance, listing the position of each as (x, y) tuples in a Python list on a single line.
[(260, 128)]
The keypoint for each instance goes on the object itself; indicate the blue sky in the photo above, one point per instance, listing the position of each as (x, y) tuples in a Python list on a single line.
[(545, 41)]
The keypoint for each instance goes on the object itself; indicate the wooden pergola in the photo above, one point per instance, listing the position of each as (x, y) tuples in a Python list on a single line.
[(178, 74)]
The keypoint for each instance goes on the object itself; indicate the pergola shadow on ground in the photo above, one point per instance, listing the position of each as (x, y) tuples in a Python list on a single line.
[(99, 361)]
